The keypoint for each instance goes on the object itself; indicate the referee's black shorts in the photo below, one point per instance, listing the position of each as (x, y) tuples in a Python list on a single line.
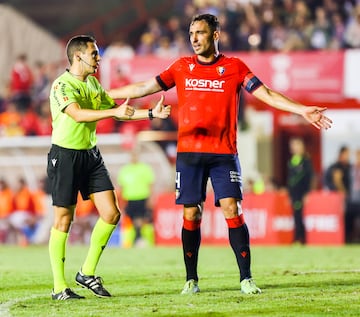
[(136, 209), (71, 171)]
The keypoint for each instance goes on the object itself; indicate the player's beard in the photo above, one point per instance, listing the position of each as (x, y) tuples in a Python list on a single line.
[(205, 52)]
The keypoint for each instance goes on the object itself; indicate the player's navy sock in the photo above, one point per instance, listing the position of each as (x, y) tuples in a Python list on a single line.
[(191, 238), (240, 243)]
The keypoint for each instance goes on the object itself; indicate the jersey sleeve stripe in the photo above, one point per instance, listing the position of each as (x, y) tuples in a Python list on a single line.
[(161, 83)]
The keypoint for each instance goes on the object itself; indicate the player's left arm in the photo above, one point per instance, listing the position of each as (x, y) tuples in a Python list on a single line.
[(312, 114)]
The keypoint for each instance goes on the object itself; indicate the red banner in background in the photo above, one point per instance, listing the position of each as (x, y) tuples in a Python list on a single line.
[(268, 216), (311, 76), (324, 218), (314, 76)]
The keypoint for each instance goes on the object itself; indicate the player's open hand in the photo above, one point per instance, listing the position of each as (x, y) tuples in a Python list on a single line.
[(315, 116), (124, 111), (161, 111)]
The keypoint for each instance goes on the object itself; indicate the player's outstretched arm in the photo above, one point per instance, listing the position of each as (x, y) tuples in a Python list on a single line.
[(312, 114), (135, 90)]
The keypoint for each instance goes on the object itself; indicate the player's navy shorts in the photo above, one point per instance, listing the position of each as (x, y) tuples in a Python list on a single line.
[(71, 171), (193, 171)]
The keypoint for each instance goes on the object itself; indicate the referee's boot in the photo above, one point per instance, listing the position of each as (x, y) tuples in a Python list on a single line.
[(93, 283)]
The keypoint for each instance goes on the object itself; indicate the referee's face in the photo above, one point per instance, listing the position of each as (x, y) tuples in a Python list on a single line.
[(90, 58), (202, 39)]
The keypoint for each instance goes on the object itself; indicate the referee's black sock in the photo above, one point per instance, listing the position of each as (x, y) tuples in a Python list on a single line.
[(240, 243), (191, 238)]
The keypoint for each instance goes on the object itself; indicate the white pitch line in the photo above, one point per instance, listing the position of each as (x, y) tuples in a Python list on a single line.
[(5, 307), (326, 271)]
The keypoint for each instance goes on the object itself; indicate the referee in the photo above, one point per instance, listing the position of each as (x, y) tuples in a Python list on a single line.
[(77, 102)]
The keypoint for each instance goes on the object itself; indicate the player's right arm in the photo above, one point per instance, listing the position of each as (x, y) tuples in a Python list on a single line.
[(136, 90)]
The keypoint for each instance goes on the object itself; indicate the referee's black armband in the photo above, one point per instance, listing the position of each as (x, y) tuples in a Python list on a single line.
[(151, 116)]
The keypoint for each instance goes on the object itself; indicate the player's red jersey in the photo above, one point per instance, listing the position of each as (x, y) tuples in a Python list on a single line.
[(208, 98)]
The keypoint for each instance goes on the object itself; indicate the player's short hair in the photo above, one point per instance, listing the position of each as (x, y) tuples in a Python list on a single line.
[(210, 19), (77, 43)]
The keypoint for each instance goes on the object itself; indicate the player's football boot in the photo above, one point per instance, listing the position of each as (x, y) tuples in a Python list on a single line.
[(65, 295), (190, 287), (248, 286), (93, 283)]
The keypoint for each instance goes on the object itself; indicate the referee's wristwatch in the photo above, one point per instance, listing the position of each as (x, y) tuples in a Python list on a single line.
[(151, 116)]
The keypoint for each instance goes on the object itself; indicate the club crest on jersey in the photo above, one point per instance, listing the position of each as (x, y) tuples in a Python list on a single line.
[(191, 67), (220, 70)]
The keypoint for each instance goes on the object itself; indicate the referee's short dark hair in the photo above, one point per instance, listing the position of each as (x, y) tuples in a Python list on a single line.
[(77, 43)]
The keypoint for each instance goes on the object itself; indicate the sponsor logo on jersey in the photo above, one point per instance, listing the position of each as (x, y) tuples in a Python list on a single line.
[(204, 84), (191, 67)]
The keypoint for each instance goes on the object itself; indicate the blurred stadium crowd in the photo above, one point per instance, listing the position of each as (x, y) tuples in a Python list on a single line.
[(275, 25), (247, 25)]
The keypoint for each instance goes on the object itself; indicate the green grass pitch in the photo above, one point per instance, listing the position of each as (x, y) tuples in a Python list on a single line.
[(295, 280)]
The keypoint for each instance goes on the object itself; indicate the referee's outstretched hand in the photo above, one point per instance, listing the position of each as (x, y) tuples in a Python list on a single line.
[(124, 111), (161, 111)]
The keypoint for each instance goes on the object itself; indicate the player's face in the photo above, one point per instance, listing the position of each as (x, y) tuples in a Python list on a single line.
[(202, 39)]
